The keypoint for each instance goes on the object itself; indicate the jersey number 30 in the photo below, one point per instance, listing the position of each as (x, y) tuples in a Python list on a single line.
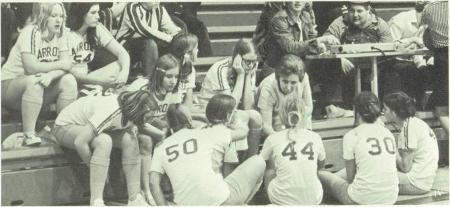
[(289, 151), (376, 145), (189, 147)]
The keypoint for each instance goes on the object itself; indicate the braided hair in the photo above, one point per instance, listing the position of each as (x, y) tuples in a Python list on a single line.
[(367, 106)]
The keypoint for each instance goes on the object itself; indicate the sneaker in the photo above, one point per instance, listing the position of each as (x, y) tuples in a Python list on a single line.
[(337, 112), (97, 202), (139, 201), (32, 140)]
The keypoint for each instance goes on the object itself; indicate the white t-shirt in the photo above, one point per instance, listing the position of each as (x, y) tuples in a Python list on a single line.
[(216, 81), (102, 112), (416, 134), (80, 49), (30, 41), (373, 148), (295, 159), (186, 157), (269, 97)]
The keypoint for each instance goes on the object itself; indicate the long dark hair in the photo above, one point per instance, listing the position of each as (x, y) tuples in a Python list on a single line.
[(77, 13), (135, 105), (165, 62), (178, 118)]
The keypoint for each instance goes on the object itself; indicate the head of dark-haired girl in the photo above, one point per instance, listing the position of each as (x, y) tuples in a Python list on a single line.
[(85, 16), (367, 106), (398, 106), (165, 78)]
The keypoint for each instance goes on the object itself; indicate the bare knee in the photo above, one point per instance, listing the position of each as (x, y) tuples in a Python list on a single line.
[(255, 119), (129, 144), (68, 82), (31, 83), (103, 143)]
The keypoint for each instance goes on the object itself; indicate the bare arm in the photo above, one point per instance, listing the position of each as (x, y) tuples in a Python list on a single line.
[(123, 58), (155, 187), (350, 167), (248, 98), (33, 66), (267, 123), (405, 159)]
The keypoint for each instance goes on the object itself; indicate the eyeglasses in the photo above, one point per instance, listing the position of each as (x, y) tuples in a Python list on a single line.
[(249, 62)]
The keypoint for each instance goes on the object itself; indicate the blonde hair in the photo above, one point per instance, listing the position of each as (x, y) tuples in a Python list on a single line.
[(292, 111), (42, 11)]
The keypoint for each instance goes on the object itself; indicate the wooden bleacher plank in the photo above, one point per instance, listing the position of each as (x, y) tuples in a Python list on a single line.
[(224, 47), (232, 29), (229, 18)]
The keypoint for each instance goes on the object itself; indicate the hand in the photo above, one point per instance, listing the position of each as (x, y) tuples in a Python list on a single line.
[(347, 65), (44, 79), (122, 78), (237, 65), (328, 40)]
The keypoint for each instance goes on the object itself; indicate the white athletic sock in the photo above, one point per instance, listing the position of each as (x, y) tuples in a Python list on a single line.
[(98, 173), (132, 171)]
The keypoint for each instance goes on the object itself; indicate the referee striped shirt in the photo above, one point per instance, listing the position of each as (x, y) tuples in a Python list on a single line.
[(137, 21), (435, 15)]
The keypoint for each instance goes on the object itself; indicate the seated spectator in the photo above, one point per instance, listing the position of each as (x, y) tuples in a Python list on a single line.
[(292, 178), (235, 76), (37, 70), (290, 79), (85, 37), (292, 31), (187, 12), (408, 74), (357, 25), (435, 38), (145, 30), (92, 125), (194, 150), (365, 148), (418, 152)]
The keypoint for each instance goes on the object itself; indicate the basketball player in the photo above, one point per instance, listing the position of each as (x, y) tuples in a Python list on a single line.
[(86, 36), (418, 152), (296, 154), (37, 70), (369, 151), (192, 151), (92, 125)]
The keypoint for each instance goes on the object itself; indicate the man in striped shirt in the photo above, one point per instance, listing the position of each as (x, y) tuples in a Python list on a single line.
[(435, 38), (145, 27)]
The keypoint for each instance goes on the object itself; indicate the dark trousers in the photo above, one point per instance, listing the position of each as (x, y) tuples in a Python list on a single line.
[(440, 79), (405, 76)]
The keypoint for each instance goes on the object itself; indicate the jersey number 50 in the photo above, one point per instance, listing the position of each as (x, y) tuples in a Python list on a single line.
[(189, 147)]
